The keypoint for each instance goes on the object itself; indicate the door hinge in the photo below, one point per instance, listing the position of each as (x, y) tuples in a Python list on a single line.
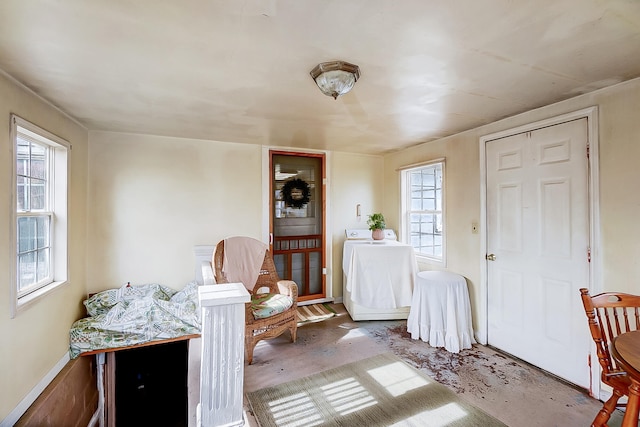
[(588, 153), (588, 254), (324, 271)]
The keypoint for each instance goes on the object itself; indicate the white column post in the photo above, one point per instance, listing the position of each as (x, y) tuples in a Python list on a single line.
[(222, 364)]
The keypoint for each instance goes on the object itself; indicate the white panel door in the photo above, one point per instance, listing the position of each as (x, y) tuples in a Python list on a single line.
[(538, 230)]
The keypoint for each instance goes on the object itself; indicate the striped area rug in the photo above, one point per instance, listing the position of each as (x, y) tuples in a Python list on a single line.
[(378, 391), (314, 313)]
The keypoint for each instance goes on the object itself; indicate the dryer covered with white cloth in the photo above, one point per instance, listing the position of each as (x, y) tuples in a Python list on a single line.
[(378, 276)]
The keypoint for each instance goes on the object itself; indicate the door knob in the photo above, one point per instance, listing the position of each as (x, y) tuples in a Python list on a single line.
[(490, 257)]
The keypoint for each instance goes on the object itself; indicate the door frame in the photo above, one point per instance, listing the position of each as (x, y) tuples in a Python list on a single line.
[(266, 210), (593, 188)]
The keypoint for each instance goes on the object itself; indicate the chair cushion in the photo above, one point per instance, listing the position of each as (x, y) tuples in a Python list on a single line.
[(267, 305)]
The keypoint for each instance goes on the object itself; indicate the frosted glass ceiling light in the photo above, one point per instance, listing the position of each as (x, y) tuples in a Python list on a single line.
[(335, 78)]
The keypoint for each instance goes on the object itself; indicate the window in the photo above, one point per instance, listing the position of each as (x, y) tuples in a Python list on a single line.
[(40, 223), (422, 209)]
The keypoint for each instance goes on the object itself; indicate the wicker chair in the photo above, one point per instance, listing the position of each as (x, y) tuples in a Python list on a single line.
[(610, 314), (258, 329)]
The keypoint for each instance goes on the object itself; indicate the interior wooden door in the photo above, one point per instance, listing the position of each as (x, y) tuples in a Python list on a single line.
[(538, 247), (297, 220)]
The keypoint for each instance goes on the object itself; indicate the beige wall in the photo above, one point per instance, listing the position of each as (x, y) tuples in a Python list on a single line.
[(619, 136), (38, 337), (356, 179), (151, 199)]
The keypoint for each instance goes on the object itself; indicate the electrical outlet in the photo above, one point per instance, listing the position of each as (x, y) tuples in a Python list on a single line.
[(474, 227)]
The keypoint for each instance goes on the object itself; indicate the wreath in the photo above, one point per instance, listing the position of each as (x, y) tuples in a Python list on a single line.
[(295, 193)]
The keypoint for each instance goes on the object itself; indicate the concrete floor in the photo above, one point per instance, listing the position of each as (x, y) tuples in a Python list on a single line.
[(510, 390)]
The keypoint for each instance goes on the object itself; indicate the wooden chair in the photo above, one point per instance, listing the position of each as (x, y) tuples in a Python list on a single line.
[(610, 314), (268, 281)]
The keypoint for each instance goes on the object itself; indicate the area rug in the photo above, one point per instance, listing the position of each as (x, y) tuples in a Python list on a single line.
[(314, 313), (378, 391)]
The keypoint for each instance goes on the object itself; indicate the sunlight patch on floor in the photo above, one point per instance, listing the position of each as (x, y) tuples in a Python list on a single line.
[(353, 333), (397, 378), (440, 417), (295, 410), (347, 396)]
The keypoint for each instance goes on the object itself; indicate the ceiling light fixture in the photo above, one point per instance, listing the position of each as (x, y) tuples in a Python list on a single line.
[(335, 78)]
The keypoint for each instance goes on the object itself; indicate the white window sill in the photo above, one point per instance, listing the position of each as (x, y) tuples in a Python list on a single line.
[(28, 299)]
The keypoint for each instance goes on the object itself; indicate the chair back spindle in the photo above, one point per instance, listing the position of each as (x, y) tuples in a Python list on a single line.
[(610, 314)]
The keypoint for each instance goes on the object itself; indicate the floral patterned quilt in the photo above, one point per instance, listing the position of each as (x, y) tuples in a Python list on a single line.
[(133, 315)]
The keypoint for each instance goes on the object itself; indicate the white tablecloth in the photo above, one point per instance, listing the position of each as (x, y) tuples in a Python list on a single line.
[(380, 275), (440, 311)]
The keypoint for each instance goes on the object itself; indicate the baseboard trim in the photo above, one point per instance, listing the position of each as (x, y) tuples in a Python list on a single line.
[(31, 397)]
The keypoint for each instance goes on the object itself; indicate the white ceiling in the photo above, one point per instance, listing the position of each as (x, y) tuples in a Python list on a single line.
[(238, 70)]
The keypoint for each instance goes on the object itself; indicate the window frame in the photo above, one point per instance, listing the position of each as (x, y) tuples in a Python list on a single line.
[(406, 211), (55, 209)]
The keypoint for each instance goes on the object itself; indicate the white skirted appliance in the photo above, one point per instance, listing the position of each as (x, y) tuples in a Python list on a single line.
[(378, 276)]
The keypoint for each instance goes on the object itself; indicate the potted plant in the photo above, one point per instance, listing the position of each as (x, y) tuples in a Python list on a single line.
[(376, 224)]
